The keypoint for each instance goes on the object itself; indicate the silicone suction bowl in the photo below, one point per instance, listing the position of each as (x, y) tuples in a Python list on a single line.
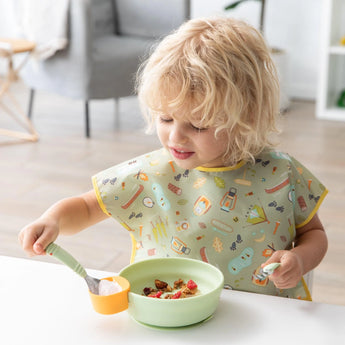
[(167, 312)]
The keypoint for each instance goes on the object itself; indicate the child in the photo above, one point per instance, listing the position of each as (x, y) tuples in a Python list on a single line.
[(216, 191)]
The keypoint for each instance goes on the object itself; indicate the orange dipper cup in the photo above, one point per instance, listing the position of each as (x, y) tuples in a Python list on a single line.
[(103, 304), (114, 303)]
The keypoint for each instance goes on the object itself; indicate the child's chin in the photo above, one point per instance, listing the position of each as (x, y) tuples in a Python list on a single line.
[(185, 165)]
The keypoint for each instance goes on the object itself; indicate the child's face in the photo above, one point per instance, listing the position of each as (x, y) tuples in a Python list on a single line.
[(190, 145)]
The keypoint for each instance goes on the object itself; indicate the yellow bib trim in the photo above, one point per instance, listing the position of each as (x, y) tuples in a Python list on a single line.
[(234, 167)]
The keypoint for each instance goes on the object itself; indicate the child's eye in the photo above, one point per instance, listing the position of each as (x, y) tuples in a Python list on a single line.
[(199, 129), (165, 119)]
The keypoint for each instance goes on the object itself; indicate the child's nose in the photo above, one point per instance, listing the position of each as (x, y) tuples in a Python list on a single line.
[(178, 135)]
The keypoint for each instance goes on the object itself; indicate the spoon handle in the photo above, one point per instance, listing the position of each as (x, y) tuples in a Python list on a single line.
[(270, 268), (66, 258)]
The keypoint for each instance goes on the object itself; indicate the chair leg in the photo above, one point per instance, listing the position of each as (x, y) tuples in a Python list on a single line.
[(31, 102), (87, 120)]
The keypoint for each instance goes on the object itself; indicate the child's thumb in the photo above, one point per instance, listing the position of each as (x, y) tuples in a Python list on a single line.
[(42, 243), (39, 248)]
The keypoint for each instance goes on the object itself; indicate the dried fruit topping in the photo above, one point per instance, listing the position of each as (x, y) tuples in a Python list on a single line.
[(178, 284), (183, 290), (160, 284), (176, 295), (147, 291), (158, 294), (191, 285)]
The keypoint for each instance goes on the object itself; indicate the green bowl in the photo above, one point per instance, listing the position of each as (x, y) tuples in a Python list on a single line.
[(168, 312)]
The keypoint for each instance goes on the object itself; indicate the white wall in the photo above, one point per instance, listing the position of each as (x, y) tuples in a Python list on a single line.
[(293, 25), (7, 21), (8, 25)]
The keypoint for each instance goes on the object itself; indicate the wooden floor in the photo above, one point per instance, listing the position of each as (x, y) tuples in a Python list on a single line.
[(34, 175)]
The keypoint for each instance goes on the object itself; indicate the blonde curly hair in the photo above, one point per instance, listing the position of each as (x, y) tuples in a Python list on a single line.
[(221, 70)]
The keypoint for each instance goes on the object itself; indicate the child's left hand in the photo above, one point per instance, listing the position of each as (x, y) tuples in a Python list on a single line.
[(289, 273)]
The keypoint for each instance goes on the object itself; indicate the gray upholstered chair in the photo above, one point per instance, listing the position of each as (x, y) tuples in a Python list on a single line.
[(107, 41)]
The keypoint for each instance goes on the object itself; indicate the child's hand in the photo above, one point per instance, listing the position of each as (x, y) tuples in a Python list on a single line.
[(35, 237), (289, 273)]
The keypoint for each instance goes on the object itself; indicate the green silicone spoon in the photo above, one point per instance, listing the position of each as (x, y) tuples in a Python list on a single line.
[(270, 268), (66, 258), (267, 270)]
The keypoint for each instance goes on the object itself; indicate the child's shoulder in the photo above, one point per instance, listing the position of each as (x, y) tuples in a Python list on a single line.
[(149, 158), (273, 155), (278, 160)]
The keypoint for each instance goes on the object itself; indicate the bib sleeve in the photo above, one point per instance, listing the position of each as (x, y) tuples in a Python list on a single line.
[(116, 186), (103, 182), (120, 189), (307, 193)]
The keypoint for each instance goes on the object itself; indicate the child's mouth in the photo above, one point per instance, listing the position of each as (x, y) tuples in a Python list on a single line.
[(180, 154)]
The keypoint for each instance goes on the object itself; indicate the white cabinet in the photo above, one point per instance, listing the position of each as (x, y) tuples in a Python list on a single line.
[(332, 73)]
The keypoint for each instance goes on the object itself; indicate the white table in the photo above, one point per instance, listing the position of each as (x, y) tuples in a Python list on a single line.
[(43, 303)]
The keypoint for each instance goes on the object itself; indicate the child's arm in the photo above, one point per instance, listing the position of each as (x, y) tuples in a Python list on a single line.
[(67, 217), (310, 248)]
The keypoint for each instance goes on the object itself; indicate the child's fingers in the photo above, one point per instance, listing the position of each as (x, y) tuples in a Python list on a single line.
[(289, 273), (39, 248), (35, 237), (27, 241), (276, 257), (43, 241)]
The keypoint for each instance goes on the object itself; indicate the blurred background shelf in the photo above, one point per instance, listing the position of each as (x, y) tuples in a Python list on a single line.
[(332, 75)]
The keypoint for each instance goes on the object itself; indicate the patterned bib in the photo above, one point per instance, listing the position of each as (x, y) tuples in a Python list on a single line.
[(232, 217)]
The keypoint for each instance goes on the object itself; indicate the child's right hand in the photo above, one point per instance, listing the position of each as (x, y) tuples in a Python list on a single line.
[(35, 237)]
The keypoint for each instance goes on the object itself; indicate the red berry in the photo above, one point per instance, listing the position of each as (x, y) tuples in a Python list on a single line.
[(176, 295), (156, 295), (191, 285)]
